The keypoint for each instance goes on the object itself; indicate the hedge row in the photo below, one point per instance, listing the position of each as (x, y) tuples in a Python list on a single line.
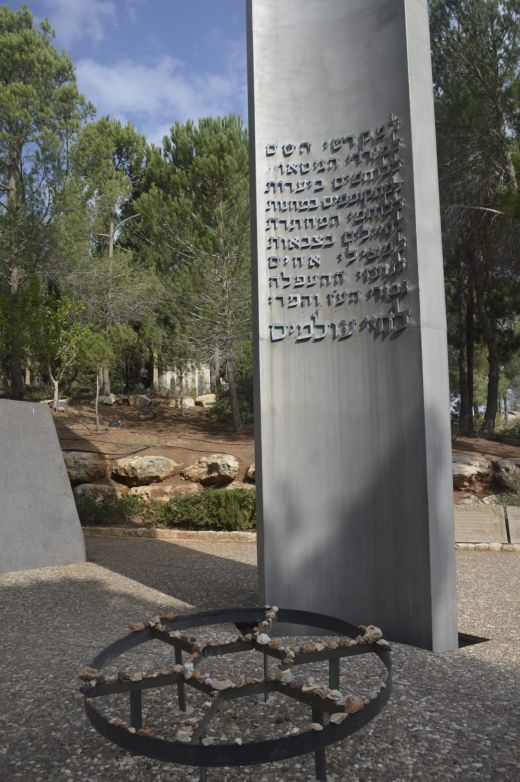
[(216, 509)]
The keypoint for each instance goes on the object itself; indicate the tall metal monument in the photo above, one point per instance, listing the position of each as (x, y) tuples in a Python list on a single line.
[(352, 400)]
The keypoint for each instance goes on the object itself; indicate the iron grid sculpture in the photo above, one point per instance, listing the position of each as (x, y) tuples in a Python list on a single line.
[(333, 718)]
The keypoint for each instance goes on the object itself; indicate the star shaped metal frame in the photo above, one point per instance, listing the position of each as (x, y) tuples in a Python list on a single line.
[(332, 720)]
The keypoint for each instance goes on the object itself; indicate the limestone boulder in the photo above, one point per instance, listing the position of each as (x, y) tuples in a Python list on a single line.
[(84, 467), (507, 474), (467, 469), (187, 401), (240, 485), (216, 470), (139, 401), (98, 492), (161, 493), (109, 399), (143, 470), (251, 473), (206, 400)]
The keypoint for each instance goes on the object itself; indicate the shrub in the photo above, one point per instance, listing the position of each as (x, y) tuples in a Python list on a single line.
[(122, 509), (216, 509)]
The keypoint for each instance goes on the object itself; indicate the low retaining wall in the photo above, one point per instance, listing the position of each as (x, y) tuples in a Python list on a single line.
[(168, 534), (242, 537)]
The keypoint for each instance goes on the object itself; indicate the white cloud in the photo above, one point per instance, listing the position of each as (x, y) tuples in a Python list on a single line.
[(155, 95), (76, 19)]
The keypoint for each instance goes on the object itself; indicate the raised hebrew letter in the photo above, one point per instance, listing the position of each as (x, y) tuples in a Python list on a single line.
[(293, 300), (279, 331), (321, 329), (288, 149), (305, 331), (270, 149)]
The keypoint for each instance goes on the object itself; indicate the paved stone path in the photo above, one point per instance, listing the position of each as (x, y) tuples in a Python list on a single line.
[(453, 716)]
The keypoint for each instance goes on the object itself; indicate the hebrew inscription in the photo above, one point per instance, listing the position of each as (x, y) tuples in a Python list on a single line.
[(335, 238)]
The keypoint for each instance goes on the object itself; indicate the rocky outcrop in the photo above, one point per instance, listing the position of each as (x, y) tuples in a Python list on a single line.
[(216, 470), (187, 401), (99, 492), (84, 467), (143, 470), (206, 400), (109, 399), (467, 469), (507, 474), (139, 400), (251, 473), (161, 493), (240, 485)]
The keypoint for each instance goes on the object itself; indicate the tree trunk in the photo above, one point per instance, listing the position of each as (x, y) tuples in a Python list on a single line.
[(233, 396), (56, 395), (104, 377), (155, 372), (181, 391), (97, 401), (488, 424), (16, 352), (466, 409), (15, 371), (470, 351)]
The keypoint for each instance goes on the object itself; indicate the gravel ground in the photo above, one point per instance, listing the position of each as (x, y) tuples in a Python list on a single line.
[(451, 716)]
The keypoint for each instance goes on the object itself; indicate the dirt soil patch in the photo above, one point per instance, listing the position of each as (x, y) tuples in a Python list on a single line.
[(183, 438)]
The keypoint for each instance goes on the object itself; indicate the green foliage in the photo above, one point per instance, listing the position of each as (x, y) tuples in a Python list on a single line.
[(195, 227), (40, 114), (216, 509), (118, 510)]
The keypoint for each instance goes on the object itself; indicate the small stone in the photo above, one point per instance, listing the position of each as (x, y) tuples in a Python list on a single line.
[(88, 673), (137, 627), (373, 634), (168, 617), (239, 742), (297, 684), (335, 695), (207, 741), (220, 684), (263, 639), (132, 730), (183, 736), (187, 670), (144, 732), (338, 718), (353, 704), (285, 676), (316, 726)]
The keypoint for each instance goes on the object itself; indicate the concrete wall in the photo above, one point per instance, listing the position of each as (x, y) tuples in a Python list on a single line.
[(352, 400), (39, 526)]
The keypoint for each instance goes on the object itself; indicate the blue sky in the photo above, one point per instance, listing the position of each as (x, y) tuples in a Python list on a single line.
[(154, 62)]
